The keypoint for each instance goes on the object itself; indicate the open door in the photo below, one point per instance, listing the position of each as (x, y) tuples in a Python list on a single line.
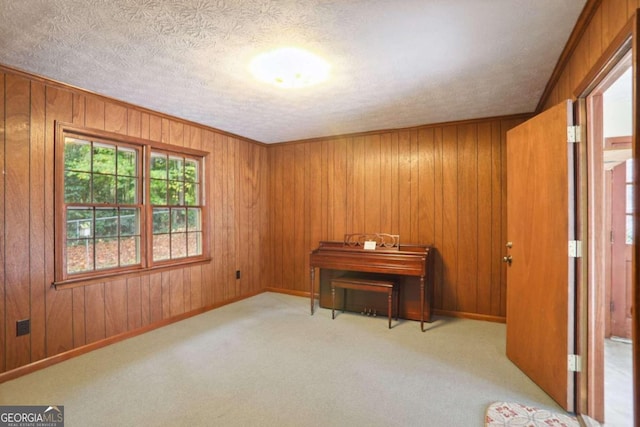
[(621, 240), (541, 273)]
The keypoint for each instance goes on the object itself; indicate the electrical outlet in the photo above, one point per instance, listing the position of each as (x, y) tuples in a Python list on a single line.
[(23, 327), (237, 274)]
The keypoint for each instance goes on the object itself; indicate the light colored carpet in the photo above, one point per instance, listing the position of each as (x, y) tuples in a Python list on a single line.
[(265, 361)]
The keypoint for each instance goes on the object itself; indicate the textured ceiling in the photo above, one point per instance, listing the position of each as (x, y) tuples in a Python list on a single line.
[(394, 63)]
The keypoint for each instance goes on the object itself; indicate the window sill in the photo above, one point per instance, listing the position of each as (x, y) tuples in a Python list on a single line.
[(85, 281)]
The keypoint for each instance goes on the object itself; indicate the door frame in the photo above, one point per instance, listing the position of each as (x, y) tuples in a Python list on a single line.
[(590, 293)]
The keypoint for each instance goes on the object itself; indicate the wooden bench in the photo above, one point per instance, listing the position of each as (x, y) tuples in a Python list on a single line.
[(359, 284)]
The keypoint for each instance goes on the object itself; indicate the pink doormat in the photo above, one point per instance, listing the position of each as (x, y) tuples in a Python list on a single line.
[(511, 414)]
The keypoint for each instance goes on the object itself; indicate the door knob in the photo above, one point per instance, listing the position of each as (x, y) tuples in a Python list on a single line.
[(509, 245), (507, 259)]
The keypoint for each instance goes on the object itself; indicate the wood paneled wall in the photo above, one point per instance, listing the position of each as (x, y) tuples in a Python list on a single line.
[(62, 320), (609, 18), (439, 185)]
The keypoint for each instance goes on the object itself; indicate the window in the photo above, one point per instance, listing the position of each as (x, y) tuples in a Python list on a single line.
[(125, 204), (629, 203), (176, 211)]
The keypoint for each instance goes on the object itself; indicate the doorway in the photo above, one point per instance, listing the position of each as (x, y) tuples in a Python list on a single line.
[(610, 238)]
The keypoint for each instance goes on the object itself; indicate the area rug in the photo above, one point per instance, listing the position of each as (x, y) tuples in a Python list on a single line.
[(510, 414)]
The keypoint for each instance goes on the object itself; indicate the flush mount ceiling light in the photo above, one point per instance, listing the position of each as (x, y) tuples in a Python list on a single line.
[(290, 67)]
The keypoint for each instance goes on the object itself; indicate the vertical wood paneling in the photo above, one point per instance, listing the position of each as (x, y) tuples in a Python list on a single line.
[(221, 230), (232, 220), (594, 35), (165, 294), (498, 170), (248, 157), (276, 215), (195, 277), (165, 130), (116, 311), (145, 300), (145, 125), (338, 226), (414, 189), (94, 116), (580, 56), (186, 289), (298, 217), (155, 297), (485, 220), (79, 321), (176, 292), (59, 303), (327, 187), (404, 185), (386, 183), (350, 182), (95, 313), (115, 118), (357, 188), (316, 202), (371, 191), (155, 128), (242, 218), (79, 109), (134, 303), (16, 169), (467, 276), (614, 16), (134, 123), (257, 234), (37, 222), (217, 185), (261, 212), (436, 257), (426, 181), (288, 225), (449, 248)]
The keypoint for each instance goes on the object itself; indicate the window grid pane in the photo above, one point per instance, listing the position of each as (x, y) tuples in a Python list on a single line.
[(102, 238), (177, 230)]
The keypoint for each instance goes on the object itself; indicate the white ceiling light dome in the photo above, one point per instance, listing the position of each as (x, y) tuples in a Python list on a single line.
[(290, 68)]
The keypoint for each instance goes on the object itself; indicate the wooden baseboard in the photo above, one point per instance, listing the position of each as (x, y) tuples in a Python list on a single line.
[(304, 294), (61, 357), (474, 316)]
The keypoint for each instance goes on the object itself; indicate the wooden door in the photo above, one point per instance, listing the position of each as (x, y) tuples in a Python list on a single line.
[(621, 241), (540, 282)]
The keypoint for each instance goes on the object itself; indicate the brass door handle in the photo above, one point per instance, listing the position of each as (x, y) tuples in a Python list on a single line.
[(507, 259)]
